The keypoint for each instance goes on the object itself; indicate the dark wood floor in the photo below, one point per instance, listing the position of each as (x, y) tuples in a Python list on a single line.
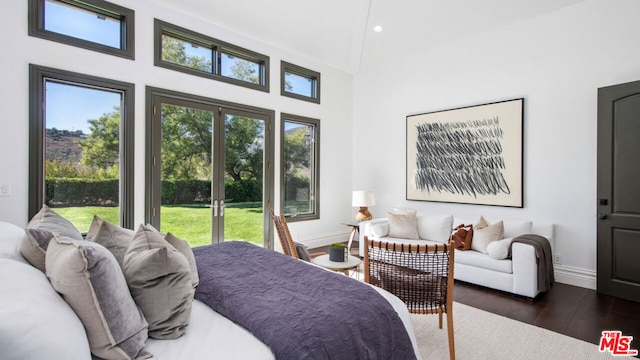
[(570, 310)]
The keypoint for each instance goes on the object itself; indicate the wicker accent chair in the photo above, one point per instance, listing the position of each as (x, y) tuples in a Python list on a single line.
[(420, 275), (289, 247)]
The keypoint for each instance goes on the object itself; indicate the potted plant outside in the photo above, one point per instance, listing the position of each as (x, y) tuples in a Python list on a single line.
[(338, 252)]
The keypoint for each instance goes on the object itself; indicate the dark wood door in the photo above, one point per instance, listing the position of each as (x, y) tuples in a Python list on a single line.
[(619, 191)]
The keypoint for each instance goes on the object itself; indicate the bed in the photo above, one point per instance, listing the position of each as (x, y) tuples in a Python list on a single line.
[(36, 323)]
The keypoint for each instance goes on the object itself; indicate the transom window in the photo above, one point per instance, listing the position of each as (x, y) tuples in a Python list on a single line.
[(300, 83), (300, 175), (91, 24), (186, 51)]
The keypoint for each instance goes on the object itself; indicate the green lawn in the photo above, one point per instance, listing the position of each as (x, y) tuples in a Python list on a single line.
[(243, 221)]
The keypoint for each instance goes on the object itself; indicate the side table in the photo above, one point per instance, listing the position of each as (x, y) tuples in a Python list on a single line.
[(355, 229), (352, 263)]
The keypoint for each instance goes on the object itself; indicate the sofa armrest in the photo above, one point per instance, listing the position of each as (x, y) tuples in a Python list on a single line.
[(365, 230), (525, 269)]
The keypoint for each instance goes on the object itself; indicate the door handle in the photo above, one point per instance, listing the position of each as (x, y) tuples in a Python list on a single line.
[(602, 216), (215, 208), (221, 208)]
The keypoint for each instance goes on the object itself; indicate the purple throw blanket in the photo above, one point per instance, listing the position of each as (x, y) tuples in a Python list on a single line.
[(298, 310)]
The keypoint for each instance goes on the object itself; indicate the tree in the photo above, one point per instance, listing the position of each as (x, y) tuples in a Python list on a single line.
[(102, 146), (244, 144)]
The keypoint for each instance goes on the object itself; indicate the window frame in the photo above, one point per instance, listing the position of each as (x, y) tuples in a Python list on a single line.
[(37, 77), (217, 46), (315, 213), (286, 67), (127, 27)]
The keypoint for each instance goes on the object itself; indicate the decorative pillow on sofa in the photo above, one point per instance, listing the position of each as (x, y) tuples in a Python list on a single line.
[(89, 279), (404, 226), (115, 238), (462, 237), (483, 234), (40, 231), (499, 249), (159, 277)]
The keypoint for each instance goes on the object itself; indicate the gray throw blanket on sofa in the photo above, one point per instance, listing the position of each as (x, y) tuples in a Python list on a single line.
[(299, 310), (543, 253)]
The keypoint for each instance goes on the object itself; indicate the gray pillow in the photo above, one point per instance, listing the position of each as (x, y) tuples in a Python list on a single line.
[(89, 279), (159, 277), (185, 249), (115, 238), (303, 251), (40, 231)]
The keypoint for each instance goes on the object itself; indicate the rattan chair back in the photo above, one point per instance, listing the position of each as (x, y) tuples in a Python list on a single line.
[(420, 275), (282, 229)]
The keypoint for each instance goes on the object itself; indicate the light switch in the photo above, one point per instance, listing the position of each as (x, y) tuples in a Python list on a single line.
[(5, 190)]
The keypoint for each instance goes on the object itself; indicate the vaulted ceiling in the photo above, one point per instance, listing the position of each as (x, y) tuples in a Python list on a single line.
[(340, 33)]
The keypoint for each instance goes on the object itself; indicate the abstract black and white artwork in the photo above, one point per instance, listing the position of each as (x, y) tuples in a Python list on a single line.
[(467, 155)]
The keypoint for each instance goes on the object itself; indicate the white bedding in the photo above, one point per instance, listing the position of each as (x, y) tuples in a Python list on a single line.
[(36, 323)]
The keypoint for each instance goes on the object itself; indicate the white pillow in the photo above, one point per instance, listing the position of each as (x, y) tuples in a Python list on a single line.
[(36, 322), (499, 249), (435, 227), (403, 226), (484, 235), (11, 236)]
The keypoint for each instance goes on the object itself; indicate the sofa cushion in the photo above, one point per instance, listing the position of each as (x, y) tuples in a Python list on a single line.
[(477, 259), (516, 228), (36, 322), (435, 227), (380, 230), (484, 234), (403, 225), (40, 231), (115, 238), (90, 280), (499, 249), (159, 277)]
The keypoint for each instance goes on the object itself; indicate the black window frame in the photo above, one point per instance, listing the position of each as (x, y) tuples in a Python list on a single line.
[(315, 213), (314, 76), (217, 46), (127, 27), (38, 75)]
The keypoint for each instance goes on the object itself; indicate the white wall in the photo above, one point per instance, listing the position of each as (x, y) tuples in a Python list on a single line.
[(556, 62), (20, 50)]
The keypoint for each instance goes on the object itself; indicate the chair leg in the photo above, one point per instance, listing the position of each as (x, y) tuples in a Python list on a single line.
[(452, 351), (440, 319)]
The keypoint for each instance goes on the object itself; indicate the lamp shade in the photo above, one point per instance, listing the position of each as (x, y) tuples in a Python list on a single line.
[(363, 198)]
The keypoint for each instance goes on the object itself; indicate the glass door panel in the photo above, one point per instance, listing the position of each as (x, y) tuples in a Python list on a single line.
[(244, 163), (186, 173)]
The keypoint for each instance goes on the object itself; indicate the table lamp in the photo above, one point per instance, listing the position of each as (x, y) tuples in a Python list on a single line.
[(363, 199)]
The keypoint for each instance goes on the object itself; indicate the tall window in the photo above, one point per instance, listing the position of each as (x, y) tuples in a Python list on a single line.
[(183, 50), (81, 146), (91, 24), (300, 160), (299, 83)]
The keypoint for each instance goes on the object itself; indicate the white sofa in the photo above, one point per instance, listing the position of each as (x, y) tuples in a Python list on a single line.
[(517, 274)]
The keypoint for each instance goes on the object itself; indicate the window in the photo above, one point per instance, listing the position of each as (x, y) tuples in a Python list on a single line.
[(183, 50), (90, 24), (299, 83), (300, 158), (81, 152)]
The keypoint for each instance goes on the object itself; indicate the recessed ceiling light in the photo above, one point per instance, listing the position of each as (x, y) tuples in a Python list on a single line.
[(377, 28)]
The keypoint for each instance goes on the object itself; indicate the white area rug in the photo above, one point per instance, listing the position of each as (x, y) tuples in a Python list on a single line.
[(483, 335)]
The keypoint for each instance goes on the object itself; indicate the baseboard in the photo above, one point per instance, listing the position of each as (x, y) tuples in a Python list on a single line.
[(326, 240), (575, 276)]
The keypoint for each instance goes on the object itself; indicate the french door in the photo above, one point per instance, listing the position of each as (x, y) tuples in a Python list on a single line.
[(210, 169)]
